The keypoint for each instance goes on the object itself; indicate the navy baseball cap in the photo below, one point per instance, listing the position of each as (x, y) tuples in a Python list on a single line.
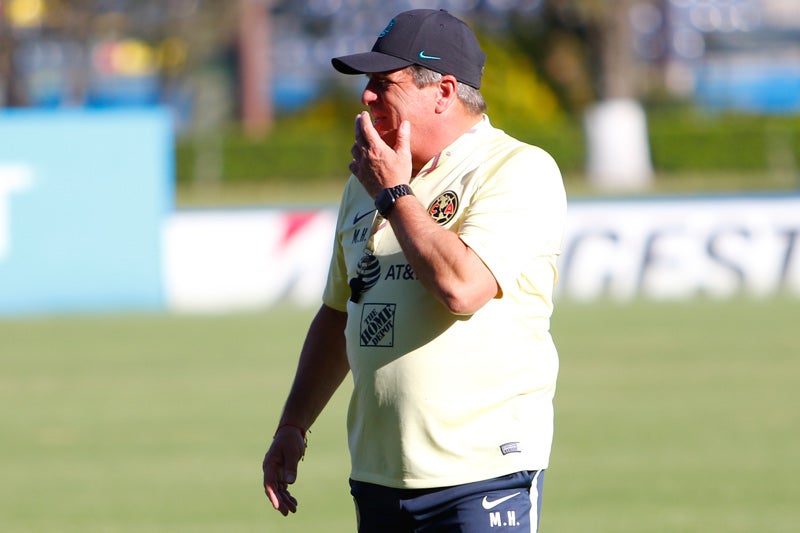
[(431, 38)]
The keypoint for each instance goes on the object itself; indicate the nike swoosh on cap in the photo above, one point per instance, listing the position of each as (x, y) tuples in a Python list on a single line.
[(423, 56), (492, 504)]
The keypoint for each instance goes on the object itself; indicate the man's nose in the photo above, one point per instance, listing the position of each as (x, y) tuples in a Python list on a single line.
[(368, 96)]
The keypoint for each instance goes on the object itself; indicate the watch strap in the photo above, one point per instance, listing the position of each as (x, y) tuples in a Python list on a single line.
[(386, 199)]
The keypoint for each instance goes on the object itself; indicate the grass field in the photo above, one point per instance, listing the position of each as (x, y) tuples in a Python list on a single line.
[(671, 417), (328, 192)]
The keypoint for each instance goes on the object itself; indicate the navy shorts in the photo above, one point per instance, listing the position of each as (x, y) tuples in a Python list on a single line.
[(507, 503)]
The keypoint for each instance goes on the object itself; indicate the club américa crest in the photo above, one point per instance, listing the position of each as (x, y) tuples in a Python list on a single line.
[(444, 207)]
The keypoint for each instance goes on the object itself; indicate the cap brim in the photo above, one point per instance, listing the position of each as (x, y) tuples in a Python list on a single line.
[(368, 62)]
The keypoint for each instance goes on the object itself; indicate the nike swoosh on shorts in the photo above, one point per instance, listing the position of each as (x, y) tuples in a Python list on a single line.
[(494, 503)]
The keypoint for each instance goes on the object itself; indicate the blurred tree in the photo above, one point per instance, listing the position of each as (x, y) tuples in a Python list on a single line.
[(586, 48), (583, 47), (514, 91), (254, 68)]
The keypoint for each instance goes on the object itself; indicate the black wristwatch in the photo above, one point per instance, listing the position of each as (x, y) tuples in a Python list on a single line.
[(386, 199)]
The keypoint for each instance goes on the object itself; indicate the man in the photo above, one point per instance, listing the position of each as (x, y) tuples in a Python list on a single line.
[(438, 299)]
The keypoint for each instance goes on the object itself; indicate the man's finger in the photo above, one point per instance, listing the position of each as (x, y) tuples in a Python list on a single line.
[(273, 497), (403, 143), (281, 500), (359, 132), (369, 135)]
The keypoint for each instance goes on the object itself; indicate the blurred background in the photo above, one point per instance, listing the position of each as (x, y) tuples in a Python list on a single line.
[(169, 175), (146, 109), (250, 87)]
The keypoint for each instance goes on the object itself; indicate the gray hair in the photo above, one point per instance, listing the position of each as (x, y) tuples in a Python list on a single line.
[(469, 96)]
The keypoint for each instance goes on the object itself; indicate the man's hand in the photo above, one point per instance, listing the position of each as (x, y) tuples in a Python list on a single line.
[(280, 467), (376, 164)]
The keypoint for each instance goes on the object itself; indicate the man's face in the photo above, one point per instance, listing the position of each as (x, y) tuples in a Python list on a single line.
[(393, 97)]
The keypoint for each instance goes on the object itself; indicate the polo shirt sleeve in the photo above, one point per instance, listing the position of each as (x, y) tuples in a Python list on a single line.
[(517, 213), (337, 289)]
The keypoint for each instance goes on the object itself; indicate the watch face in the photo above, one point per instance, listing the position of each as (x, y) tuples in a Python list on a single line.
[(384, 202)]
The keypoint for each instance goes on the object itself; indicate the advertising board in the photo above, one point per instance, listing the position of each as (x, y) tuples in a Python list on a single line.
[(657, 248), (674, 248), (83, 197)]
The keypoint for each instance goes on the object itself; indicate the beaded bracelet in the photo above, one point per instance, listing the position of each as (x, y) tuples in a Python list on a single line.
[(303, 431)]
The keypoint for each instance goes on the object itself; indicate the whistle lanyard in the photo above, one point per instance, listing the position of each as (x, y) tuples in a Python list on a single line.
[(368, 269)]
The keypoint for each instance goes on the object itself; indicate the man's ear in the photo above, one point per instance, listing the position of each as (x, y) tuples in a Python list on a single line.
[(448, 93)]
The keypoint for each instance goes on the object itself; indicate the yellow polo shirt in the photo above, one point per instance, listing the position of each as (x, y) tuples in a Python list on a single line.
[(441, 399)]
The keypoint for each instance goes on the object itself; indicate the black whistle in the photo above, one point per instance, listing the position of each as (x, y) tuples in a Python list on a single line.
[(356, 288)]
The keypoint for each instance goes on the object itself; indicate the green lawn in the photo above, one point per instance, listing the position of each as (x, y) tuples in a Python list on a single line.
[(327, 193), (670, 417)]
